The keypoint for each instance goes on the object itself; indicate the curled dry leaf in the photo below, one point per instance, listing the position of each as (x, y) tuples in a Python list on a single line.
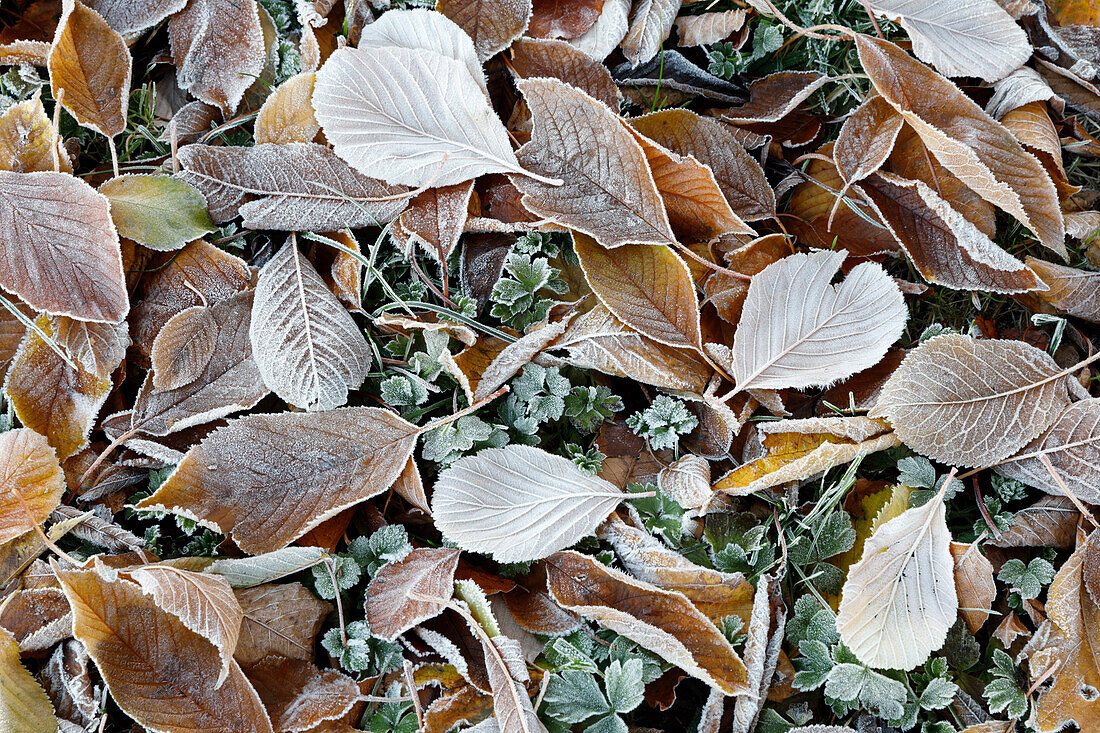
[(98, 348), (287, 115), (58, 227), (287, 187), (219, 50), (24, 705), (664, 622), (970, 403), (90, 64), (160, 212), (306, 345), (492, 24), (965, 140), (899, 600), (838, 330), (649, 288), (976, 39), (141, 649), (393, 596), (610, 195), (1071, 446), (31, 481), (183, 348), (275, 477), (1072, 291), (775, 96), (513, 357), (974, 584), (441, 132), (50, 396), (519, 503), (765, 638)]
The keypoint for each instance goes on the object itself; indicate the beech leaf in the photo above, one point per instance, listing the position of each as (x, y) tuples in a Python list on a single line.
[(519, 503), (967, 402), (899, 600), (837, 331)]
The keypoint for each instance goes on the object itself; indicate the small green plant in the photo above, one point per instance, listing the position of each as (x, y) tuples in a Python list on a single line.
[(516, 296), (663, 422)]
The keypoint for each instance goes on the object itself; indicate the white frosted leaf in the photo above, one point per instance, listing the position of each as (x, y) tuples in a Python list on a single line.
[(608, 30), (797, 330), (969, 402), (306, 345), (246, 572), (650, 24), (410, 116), (128, 17), (427, 30), (899, 600), (1072, 446), (519, 503)]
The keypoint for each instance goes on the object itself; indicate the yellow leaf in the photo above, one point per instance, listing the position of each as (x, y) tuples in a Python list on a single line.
[(287, 115), (31, 482), (24, 706)]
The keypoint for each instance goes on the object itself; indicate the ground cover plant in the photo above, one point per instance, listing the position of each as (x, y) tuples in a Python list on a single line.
[(540, 366)]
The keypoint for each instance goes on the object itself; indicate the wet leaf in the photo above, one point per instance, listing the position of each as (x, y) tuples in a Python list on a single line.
[(160, 212), (32, 482)]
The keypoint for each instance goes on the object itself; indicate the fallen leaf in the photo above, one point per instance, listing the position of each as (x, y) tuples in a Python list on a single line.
[(69, 684), (649, 288), (287, 115), (435, 219), (1032, 126), (298, 696), (393, 596), (512, 708), (899, 600), (492, 24), (51, 397), (248, 572), (534, 58), (662, 621), (307, 347), (1051, 521), (140, 649), (58, 227), (965, 140), (519, 503), (562, 18), (970, 403), (90, 64), (775, 96), (427, 30), (425, 142), (160, 212), (128, 18), (282, 620), (23, 703), (650, 24), (513, 357), (1071, 290), (762, 648), (974, 584), (218, 48), (978, 39), (607, 32), (686, 481), (287, 187), (1072, 446), (278, 476), (98, 348), (183, 348), (31, 479), (27, 140), (611, 196), (866, 139), (838, 331)]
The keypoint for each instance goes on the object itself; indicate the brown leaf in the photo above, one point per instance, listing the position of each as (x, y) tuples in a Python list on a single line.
[(533, 58), (945, 248), (513, 357), (128, 17), (160, 673), (1072, 290), (726, 292), (279, 619), (90, 64), (1071, 446), (53, 398), (665, 622), (298, 696), (607, 190), (228, 383), (26, 138), (183, 348), (435, 219), (562, 18), (213, 272), (218, 47), (287, 115), (1031, 125), (38, 618), (204, 603), (1049, 522), (649, 288), (708, 28), (493, 24), (392, 607), (715, 593), (31, 480), (97, 347), (60, 228), (68, 683), (965, 140), (628, 459), (775, 96), (738, 174), (974, 584), (277, 476), (599, 340), (687, 481), (866, 139)]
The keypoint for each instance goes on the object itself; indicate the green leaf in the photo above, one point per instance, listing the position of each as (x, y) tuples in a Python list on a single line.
[(623, 685), (811, 622), (813, 665), (574, 697), (835, 535), (610, 724), (1028, 580), (159, 212), (938, 694), (878, 693)]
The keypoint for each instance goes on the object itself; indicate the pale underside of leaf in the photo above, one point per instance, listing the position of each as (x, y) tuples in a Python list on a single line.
[(650, 24), (1071, 290), (1072, 446)]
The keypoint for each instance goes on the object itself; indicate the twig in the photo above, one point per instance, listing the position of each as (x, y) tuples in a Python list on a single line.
[(408, 669), (1065, 489)]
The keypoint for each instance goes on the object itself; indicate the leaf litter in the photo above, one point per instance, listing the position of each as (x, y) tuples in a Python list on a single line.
[(546, 366)]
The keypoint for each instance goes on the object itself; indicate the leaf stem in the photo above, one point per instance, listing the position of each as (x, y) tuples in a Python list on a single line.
[(461, 413)]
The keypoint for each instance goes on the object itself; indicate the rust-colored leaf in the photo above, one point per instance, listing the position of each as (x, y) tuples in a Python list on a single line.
[(287, 115), (298, 696), (279, 619), (392, 604), (218, 47), (492, 24), (974, 584)]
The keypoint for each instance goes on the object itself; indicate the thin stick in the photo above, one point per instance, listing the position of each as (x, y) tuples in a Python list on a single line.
[(1065, 489), (55, 157), (711, 265), (339, 602), (462, 413), (412, 693), (107, 451), (173, 142), (871, 15), (985, 511), (114, 154)]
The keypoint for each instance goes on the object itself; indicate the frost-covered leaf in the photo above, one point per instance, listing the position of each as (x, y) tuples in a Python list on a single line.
[(31, 480), (1072, 446), (219, 50), (391, 606), (27, 140), (519, 503), (183, 348), (607, 190), (533, 58), (427, 30), (91, 64), (837, 331), (287, 115), (492, 24), (247, 572), (98, 348), (866, 139), (275, 477), (899, 600), (24, 705), (1071, 290), (1051, 521), (306, 345), (128, 17), (288, 187), (300, 697), (974, 583), (58, 227), (650, 24), (969, 402), (283, 619), (160, 212), (435, 219), (410, 116), (609, 29), (973, 39)]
